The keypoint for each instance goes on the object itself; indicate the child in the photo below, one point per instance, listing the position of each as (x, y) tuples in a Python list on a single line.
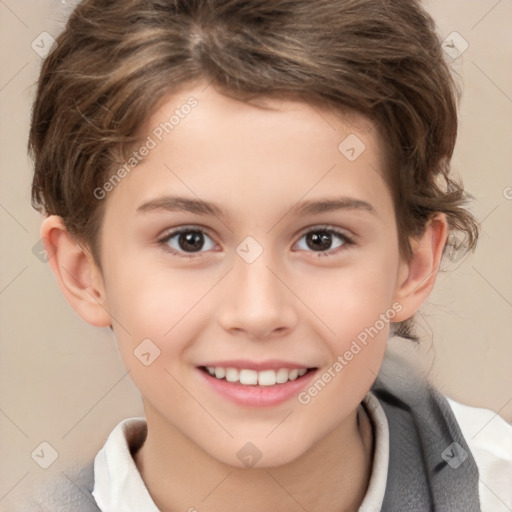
[(305, 148)]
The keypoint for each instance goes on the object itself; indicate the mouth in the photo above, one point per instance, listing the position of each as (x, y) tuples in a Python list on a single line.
[(255, 384), (255, 378)]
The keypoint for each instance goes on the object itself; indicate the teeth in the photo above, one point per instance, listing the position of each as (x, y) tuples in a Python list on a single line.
[(248, 377), (232, 375), (219, 372), (267, 378), (282, 376), (252, 377)]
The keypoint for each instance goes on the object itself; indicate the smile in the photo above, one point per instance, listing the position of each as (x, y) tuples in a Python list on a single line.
[(259, 386), (248, 377)]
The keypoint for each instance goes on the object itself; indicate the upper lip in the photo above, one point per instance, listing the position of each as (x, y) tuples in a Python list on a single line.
[(273, 364)]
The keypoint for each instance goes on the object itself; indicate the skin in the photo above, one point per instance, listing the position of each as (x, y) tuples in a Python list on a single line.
[(256, 161)]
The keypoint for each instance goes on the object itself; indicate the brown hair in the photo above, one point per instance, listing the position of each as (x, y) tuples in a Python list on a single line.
[(116, 60)]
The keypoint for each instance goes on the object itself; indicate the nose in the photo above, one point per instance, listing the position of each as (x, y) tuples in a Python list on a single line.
[(257, 302)]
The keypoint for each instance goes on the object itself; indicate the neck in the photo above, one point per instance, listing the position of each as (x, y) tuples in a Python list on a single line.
[(332, 476)]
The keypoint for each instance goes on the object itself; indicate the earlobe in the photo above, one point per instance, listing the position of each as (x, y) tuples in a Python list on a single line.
[(76, 272), (417, 277)]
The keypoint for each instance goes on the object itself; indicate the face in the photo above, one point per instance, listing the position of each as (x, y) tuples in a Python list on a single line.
[(256, 241)]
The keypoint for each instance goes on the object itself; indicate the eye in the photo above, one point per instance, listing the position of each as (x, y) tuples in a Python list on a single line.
[(186, 241), (320, 239)]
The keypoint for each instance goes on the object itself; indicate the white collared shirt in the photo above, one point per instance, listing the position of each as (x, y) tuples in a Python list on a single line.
[(118, 484)]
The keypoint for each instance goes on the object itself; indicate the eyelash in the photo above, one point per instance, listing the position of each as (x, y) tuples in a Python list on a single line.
[(347, 241)]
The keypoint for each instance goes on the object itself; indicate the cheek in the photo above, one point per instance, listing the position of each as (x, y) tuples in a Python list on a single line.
[(350, 299), (356, 303), (149, 298), (156, 315), (167, 306), (358, 311)]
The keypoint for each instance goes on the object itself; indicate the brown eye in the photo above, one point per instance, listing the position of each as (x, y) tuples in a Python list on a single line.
[(192, 241), (324, 241), (319, 241), (186, 242)]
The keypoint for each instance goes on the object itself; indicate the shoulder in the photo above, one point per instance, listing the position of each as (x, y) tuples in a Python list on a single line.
[(489, 438), (63, 492), (433, 421)]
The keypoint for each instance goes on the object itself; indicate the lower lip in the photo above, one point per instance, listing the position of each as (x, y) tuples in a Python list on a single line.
[(257, 396)]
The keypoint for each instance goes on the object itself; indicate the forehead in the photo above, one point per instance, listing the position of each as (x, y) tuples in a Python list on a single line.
[(215, 106), (271, 149)]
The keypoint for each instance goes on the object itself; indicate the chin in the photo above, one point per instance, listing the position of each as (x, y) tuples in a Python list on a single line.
[(259, 455)]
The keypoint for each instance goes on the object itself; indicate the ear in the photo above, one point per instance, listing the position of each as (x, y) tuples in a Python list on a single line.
[(79, 277), (416, 278)]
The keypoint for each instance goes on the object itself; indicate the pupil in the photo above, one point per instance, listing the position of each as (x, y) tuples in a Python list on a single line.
[(320, 241), (191, 238)]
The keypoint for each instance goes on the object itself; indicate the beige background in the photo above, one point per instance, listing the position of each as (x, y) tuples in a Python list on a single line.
[(61, 381)]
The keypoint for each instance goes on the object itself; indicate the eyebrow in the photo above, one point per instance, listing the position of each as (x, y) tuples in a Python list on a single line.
[(201, 207)]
